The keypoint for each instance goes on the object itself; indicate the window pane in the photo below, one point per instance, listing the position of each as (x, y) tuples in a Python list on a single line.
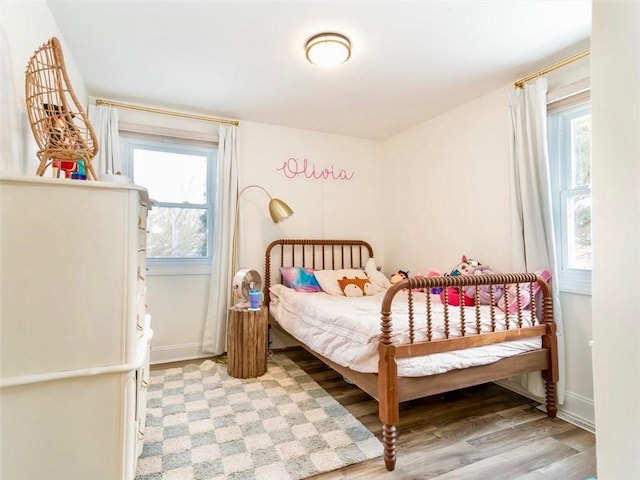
[(581, 151), (171, 177), (177, 232), (579, 232)]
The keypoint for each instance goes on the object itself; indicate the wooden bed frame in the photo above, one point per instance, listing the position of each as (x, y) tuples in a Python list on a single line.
[(385, 386)]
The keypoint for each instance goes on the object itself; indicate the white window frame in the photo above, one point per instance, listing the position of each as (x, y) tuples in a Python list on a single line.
[(177, 266), (572, 280)]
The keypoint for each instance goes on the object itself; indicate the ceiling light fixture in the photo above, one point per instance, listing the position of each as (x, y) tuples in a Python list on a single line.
[(328, 49)]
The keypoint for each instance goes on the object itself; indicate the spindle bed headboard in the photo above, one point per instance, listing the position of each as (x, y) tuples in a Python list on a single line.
[(314, 254)]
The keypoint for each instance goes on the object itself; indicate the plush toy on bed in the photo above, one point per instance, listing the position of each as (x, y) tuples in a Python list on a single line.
[(399, 276), (465, 267), (403, 274), (483, 290), (435, 273), (419, 275), (356, 287), (509, 301)]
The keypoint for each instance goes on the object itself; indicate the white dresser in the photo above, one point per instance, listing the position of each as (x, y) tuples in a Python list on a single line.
[(74, 332)]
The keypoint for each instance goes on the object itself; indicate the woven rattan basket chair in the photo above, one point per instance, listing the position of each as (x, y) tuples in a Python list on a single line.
[(62, 130)]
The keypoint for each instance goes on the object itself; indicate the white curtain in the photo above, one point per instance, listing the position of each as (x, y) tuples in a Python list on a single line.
[(533, 233), (104, 120), (220, 282), (13, 129)]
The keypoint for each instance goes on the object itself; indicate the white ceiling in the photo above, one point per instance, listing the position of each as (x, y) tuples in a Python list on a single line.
[(245, 60)]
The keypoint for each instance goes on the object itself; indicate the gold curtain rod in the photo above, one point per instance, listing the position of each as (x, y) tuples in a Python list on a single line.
[(520, 83), (166, 112)]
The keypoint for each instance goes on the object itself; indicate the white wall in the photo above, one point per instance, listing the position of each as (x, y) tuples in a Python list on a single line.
[(323, 208), (178, 307), (451, 178), (616, 230), (24, 26), (447, 189)]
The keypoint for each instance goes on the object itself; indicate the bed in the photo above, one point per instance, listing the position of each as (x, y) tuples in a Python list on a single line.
[(408, 342)]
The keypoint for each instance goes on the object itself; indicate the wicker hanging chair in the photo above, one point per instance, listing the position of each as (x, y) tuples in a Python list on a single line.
[(62, 130)]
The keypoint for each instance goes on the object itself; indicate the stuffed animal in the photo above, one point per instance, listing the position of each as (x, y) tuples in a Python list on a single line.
[(483, 290), (399, 276), (355, 287), (435, 273), (454, 298), (418, 275), (464, 267), (509, 301), (403, 274)]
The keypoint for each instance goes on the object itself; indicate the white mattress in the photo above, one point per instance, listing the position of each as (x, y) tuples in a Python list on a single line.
[(346, 330)]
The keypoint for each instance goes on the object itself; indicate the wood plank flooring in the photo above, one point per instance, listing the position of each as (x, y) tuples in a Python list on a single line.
[(484, 432), (478, 433)]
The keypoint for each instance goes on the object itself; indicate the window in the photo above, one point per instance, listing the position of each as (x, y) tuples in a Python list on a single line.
[(570, 160), (179, 175)]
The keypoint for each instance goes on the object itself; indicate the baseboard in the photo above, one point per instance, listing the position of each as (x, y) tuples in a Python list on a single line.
[(573, 419), (177, 353), (580, 406), (576, 409)]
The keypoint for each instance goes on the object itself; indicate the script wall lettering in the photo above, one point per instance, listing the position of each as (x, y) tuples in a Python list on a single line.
[(294, 168)]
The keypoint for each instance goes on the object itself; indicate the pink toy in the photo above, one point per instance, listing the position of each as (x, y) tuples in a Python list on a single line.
[(483, 290), (418, 275), (509, 302), (435, 273), (465, 267), (453, 297)]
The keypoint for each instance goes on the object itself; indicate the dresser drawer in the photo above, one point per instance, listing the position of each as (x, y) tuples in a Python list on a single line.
[(142, 218), (142, 385), (141, 312)]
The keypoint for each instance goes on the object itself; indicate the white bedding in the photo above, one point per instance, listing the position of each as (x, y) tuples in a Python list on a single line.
[(346, 330)]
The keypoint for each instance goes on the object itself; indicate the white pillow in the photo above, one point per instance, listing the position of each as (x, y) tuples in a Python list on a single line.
[(376, 277), (328, 279)]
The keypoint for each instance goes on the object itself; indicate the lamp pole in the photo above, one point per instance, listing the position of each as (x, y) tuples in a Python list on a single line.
[(278, 210)]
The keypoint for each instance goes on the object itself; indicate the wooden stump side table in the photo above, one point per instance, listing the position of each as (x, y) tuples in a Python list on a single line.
[(247, 342)]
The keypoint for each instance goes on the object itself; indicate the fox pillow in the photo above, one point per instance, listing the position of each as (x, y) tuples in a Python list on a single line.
[(356, 287)]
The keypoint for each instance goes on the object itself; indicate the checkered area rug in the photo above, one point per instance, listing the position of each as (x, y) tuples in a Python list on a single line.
[(203, 424)]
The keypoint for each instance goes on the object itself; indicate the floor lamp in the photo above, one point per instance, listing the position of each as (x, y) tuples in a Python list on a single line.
[(278, 210)]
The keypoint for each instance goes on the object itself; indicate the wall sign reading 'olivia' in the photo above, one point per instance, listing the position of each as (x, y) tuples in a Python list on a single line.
[(294, 168)]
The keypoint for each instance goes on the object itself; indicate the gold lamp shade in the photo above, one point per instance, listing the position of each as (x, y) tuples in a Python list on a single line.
[(279, 210)]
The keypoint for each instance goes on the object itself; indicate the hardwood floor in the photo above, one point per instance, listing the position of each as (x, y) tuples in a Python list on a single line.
[(484, 432), (479, 433)]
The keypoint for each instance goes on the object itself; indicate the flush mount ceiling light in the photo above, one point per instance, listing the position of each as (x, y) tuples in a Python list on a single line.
[(328, 49)]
